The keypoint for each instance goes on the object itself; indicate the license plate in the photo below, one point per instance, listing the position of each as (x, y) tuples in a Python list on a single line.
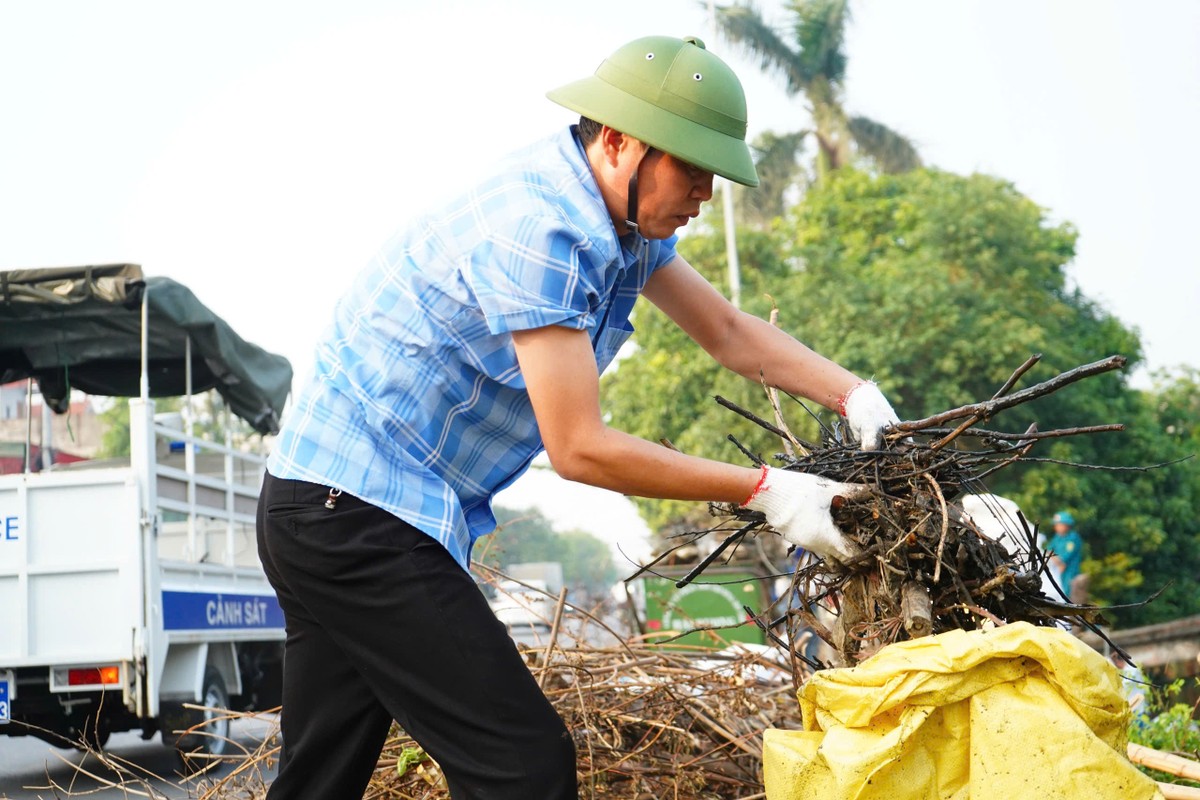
[(5, 697)]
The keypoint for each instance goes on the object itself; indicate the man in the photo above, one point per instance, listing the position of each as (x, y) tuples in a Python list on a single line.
[(474, 340), (1066, 547)]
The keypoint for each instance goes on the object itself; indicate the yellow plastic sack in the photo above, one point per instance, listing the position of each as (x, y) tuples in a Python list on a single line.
[(1011, 713)]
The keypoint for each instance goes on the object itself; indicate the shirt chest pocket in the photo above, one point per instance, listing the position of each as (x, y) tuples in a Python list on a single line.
[(609, 342)]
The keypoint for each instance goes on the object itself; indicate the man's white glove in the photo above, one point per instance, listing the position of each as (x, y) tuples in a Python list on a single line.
[(797, 505), (867, 413)]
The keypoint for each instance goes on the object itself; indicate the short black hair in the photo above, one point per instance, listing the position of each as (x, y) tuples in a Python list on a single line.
[(589, 129)]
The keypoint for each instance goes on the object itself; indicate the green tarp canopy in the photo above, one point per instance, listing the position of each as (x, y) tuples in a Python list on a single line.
[(80, 327)]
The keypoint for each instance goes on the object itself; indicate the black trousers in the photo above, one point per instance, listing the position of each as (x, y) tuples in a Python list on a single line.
[(383, 624)]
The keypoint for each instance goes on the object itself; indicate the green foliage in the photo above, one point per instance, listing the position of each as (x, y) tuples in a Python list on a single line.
[(745, 27), (526, 535), (888, 150), (114, 443), (923, 258), (1167, 725), (1112, 575), (815, 56), (209, 422), (938, 286), (819, 29), (1176, 401)]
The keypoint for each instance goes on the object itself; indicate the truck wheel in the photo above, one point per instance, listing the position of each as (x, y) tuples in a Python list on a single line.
[(211, 739), (94, 734)]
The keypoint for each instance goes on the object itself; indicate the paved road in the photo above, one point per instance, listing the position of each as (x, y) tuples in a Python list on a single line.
[(29, 766)]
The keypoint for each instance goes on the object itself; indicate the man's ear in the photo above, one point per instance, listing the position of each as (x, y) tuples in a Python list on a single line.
[(612, 142)]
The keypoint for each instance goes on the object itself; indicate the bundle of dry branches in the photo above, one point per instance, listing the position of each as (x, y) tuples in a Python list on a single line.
[(648, 721), (924, 566)]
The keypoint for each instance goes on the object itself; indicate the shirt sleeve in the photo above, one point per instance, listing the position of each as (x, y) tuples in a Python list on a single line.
[(535, 272), (666, 253)]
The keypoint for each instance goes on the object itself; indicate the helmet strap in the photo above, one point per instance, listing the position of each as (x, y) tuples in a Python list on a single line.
[(632, 209)]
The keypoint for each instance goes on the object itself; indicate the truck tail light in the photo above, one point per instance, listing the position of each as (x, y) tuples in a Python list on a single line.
[(94, 676)]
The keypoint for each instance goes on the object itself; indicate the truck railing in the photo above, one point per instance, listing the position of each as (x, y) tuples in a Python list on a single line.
[(216, 498), (230, 512)]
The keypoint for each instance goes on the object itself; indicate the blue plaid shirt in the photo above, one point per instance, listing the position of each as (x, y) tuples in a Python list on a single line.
[(417, 404)]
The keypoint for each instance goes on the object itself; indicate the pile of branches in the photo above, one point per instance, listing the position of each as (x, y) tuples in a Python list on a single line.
[(924, 566), (648, 721)]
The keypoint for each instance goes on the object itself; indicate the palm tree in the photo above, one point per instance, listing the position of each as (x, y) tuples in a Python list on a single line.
[(814, 64), (778, 171)]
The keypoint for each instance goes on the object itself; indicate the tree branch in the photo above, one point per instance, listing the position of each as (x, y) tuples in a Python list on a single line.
[(989, 408)]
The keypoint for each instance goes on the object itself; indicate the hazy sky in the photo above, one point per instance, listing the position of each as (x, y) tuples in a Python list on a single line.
[(259, 152)]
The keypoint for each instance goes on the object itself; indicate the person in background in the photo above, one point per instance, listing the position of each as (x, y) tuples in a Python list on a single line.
[(1066, 547)]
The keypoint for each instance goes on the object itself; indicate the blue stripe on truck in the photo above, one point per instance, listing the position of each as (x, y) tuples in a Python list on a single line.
[(189, 611)]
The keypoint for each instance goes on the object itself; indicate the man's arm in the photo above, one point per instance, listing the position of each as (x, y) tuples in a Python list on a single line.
[(742, 342), (560, 374)]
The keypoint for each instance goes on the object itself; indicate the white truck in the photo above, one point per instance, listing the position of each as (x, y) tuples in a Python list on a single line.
[(131, 589), (525, 603)]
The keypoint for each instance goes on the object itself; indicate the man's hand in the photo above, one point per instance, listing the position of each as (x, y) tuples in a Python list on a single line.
[(797, 505), (867, 413)]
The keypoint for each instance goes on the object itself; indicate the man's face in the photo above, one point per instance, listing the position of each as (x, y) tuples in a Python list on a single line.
[(670, 193), (1061, 527)]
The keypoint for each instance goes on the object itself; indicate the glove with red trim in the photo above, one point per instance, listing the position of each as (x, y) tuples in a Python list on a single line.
[(797, 506), (867, 413)]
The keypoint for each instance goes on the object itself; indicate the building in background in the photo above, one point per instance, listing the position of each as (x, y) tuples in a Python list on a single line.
[(74, 436)]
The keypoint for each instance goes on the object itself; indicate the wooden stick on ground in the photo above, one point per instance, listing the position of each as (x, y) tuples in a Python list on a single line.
[(1171, 791), (1169, 763), (558, 613)]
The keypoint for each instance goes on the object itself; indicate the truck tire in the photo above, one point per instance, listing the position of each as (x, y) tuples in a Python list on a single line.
[(94, 734), (211, 741)]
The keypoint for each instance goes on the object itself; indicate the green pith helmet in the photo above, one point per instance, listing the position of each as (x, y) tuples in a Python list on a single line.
[(673, 95)]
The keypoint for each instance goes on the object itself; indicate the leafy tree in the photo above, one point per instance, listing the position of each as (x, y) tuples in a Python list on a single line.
[(526, 535), (1176, 399), (1165, 721), (209, 422), (813, 63), (114, 442), (938, 286)]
